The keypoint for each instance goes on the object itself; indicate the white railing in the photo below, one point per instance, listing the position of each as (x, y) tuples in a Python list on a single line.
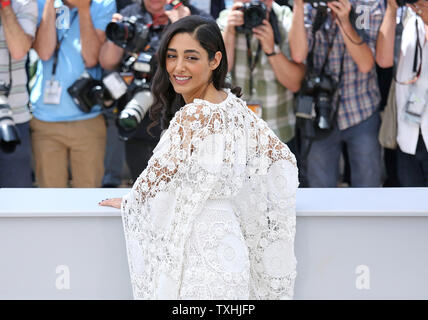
[(350, 244)]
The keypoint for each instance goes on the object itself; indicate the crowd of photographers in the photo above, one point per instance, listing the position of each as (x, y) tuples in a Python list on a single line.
[(311, 70)]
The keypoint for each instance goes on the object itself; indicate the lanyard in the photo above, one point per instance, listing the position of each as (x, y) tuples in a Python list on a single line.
[(55, 62), (252, 62), (418, 48)]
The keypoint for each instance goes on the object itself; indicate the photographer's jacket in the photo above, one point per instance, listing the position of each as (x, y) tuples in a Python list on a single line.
[(70, 62), (26, 15), (407, 131), (359, 92)]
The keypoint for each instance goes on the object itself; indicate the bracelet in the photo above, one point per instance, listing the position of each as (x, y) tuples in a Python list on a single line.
[(5, 3)]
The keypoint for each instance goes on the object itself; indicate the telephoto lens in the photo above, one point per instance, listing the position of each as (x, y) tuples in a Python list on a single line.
[(134, 112), (9, 135)]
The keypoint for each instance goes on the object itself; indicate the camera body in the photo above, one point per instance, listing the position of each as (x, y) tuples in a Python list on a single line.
[(254, 13), (315, 100), (402, 3), (316, 3), (9, 135), (135, 75), (129, 34), (87, 92)]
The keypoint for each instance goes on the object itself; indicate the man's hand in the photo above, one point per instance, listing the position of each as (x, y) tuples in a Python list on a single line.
[(421, 9), (342, 9), (176, 14), (114, 202), (264, 33), (4, 4), (116, 17), (235, 17)]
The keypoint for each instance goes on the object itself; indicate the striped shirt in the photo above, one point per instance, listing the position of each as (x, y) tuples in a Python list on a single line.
[(26, 15), (276, 100), (359, 93)]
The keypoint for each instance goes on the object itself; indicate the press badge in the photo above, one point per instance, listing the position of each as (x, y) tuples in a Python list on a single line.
[(52, 94), (256, 107)]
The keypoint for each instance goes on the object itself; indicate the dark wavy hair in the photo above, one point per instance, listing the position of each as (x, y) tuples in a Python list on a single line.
[(166, 102)]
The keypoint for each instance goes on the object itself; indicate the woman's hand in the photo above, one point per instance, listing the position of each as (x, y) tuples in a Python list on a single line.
[(113, 202)]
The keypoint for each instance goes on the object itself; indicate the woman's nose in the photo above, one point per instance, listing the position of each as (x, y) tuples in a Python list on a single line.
[(180, 67)]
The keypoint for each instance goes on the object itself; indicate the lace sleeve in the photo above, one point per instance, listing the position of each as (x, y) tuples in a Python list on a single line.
[(158, 212), (268, 217)]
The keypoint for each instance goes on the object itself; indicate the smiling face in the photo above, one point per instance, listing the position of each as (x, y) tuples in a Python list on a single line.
[(189, 67)]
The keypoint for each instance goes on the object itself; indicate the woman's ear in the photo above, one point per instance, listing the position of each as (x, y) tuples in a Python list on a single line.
[(215, 62)]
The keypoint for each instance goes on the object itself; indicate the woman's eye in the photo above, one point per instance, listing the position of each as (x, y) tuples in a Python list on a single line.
[(170, 56), (192, 58)]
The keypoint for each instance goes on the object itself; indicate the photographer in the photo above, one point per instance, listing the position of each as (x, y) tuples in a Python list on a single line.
[(268, 76), (411, 87), (17, 30), (140, 144), (346, 110), (68, 41)]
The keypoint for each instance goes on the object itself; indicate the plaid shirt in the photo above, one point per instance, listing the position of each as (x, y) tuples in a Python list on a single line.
[(26, 15), (276, 100), (359, 93)]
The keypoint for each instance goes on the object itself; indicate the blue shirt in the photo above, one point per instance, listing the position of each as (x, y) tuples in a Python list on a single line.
[(70, 62)]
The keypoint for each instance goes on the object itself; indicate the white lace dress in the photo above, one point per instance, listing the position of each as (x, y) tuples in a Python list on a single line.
[(213, 215)]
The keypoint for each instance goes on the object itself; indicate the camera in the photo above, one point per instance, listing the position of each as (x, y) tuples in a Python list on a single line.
[(174, 4), (315, 100), (402, 3), (9, 135), (254, 14), (316, 3), (131, 84), (87, 92), (128, 34)]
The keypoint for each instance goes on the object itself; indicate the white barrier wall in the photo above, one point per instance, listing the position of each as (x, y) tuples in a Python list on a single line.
[(350, 244)]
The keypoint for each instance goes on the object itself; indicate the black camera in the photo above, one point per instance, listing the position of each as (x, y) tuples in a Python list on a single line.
[(316, 3), (131, 85), (9, 135), (402, 3), (254, 13), (315, 100), (87, 92), (130, 34)]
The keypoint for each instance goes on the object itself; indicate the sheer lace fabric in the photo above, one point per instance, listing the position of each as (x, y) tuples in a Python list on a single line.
[(214, 211)]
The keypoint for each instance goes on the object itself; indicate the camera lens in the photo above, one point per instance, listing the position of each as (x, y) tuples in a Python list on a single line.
[(127, 121), (255, 16), (116, 31), (323, 111)]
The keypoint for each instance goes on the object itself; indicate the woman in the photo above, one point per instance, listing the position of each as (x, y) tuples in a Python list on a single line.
[(411, 88), (213, 215)]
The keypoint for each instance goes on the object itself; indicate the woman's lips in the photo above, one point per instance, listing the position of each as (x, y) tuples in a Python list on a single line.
[(181, 80)]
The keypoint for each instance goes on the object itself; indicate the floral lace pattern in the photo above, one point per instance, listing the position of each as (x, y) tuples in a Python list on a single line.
[(214, 152)]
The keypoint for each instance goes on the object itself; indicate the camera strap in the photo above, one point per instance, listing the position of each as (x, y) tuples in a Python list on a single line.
[(252, 62), (10, 74), (65, 34)]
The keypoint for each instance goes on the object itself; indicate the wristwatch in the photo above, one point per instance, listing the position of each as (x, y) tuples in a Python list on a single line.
[(276, 50)]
